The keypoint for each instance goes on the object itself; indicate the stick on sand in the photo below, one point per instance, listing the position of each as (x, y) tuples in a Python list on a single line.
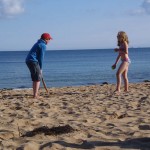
[(44, 84)]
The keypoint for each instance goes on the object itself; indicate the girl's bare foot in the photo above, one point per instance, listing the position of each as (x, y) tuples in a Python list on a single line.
[(117, 92), (126, 91), (37, 97)]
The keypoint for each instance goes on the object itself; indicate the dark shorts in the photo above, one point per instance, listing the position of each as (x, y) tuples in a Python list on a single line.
[(34, 70)]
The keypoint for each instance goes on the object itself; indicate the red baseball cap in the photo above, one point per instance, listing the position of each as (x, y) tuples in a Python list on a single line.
[(46, 36)]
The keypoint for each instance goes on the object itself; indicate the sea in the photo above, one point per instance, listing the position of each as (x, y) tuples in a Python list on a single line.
[(63, 68)]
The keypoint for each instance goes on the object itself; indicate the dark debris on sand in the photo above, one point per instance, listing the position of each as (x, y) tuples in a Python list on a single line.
[(49, 131)]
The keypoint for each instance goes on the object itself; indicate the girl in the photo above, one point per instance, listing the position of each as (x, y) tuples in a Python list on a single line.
[(123, 54)]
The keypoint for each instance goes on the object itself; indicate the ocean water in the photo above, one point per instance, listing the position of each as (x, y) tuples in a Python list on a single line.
[(72, 67)]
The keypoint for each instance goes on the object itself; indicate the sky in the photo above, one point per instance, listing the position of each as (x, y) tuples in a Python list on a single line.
[(73, 24)]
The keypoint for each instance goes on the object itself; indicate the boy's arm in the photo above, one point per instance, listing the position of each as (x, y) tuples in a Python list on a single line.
[(41, 55), (41, 59)]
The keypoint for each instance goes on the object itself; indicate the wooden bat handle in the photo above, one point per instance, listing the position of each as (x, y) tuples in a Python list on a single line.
[(44, 84)]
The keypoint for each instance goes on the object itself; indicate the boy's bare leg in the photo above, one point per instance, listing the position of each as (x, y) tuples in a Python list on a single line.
[(36, 86)]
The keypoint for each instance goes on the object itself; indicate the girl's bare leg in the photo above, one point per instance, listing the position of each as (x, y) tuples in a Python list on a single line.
[(125, 77), (36, 86), (118, 75)]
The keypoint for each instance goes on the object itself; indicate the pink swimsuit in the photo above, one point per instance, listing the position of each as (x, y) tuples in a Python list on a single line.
[(126, 59)]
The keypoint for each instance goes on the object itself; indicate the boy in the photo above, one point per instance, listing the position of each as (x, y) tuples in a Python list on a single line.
[(34, 61)]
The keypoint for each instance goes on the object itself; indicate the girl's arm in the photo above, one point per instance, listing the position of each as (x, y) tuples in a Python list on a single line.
[(117, 59), (125, 48)]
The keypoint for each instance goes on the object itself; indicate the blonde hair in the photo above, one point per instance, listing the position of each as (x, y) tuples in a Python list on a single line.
[(122, 37)]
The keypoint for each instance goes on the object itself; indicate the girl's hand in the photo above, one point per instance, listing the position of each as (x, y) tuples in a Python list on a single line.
[(113, 66), (116, 49)]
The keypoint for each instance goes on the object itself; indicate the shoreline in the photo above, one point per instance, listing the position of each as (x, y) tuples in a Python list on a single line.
[(91, 117), (101, 84)]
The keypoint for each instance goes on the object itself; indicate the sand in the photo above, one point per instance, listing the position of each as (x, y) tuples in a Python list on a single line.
[(76, 118)]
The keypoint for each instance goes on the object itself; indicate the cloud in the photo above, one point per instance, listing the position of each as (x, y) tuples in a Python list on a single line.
[(139, 11), (143, 9), (146, 6), (11, 8)]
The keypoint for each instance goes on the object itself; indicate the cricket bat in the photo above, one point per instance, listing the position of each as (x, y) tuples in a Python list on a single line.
[(44, 84)]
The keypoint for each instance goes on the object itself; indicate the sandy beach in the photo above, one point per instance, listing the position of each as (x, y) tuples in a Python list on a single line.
[(76, 118)]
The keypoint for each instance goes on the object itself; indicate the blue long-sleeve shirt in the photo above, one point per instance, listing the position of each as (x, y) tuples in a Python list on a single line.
[(36, 54)]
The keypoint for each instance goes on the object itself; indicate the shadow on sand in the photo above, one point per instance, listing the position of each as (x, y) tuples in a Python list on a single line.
[(139, 143), (136, 143)]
